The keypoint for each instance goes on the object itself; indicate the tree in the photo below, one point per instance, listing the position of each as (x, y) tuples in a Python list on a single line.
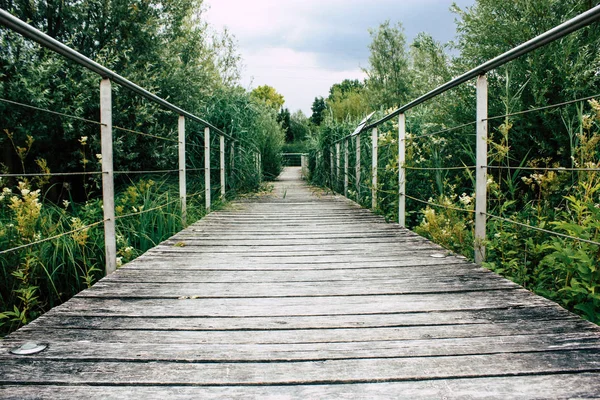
[(284, 119), (347, 99), (299, 125), (429, 64), (346, 86), (269, 96), (318, 108), (561, 71), (389, 78)]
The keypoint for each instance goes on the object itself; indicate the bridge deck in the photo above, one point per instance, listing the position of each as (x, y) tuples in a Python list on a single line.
[(303, 294)]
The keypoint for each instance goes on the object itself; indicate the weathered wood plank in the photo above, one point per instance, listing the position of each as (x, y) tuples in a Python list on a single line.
[(413, 273), (315, 351), (171, 333), (542, 315), (296, 289), (323, 372), (285, 306), (559, 386)]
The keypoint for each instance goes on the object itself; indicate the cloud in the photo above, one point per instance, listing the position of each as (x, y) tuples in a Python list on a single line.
[(304, 45)]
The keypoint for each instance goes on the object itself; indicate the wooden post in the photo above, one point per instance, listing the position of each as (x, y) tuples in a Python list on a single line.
[(337, 164), (357, 166), (401, 170), (207, 168), (182, 178), (481, 173), (222, 164), (108, 185), (346, 167), (374, 138)]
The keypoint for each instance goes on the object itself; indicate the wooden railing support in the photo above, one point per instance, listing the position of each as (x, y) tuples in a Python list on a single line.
[(207, 168), (182, 177), (108, 185), (374, 137), (481, 173), (401, 170)]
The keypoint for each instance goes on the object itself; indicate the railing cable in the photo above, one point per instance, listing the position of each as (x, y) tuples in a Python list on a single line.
[(440, 205), (542, 230), (118, 217), (51, 112), (145, 134), (51, 238), (51, 174), (543, 107)]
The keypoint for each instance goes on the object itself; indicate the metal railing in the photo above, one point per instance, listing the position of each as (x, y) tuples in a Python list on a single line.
[(481, 132), (106, 131)]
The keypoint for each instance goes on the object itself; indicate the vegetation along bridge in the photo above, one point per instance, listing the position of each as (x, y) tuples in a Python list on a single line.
[(294, 292)]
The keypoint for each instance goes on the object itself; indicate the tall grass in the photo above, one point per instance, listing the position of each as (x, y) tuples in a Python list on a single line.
[(42, 276)]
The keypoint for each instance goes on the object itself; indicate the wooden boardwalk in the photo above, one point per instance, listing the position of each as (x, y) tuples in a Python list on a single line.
[(303, 295)]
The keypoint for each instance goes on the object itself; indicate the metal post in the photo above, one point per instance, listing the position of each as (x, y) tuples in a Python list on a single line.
[(357, 166), (232, 157), (108, 185), (331, 185), (401, 170), (374, 138), (259, 166), (346, 167), (207, 167), (481, 173), (182, 182), (337, 164), (304, 165), (222, 164)]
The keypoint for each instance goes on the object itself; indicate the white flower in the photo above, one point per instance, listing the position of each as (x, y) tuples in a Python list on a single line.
[(83, 140), (65, 204), (465, 199), (119, 261)]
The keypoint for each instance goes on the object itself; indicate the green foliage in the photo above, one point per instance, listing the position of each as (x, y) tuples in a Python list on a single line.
[(347, 99), (389, 79), (269, 96), (318, 110), (164, 46), (522, 148)]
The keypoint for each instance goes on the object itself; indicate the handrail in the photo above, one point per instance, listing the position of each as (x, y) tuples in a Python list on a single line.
[(578, 22), (480, 132), (17, 25)]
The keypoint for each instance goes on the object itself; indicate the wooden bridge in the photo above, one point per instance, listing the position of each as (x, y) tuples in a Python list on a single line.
[(303, 294)]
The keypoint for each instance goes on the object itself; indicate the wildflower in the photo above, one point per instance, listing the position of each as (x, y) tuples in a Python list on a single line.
[(99, 157), (83, 140), (81, 235), (465, 199), (119, 261), (65, 204)]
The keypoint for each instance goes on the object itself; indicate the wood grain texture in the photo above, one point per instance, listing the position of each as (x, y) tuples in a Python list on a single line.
[(303, 294)]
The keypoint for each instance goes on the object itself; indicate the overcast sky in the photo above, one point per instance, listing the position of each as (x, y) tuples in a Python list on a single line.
[(302, 47)]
